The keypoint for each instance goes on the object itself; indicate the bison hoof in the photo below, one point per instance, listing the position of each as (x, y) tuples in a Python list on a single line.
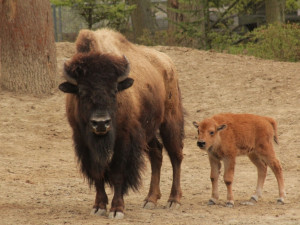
[(149, 205), (253, 200), (280, 201), (212, 201), (229, 204), (116, 215), (250, 202), (98, 212), (173, 205)]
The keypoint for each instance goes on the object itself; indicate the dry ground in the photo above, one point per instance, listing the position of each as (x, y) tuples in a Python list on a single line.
[(39, 178)]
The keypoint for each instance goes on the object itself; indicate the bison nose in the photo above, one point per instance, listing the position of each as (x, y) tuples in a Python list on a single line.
[(100, 125), (201, 144)]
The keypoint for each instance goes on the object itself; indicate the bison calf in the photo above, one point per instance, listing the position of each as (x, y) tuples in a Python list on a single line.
[(226, 136)]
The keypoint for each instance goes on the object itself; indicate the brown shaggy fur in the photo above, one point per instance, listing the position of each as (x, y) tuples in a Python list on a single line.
[(151, 104)]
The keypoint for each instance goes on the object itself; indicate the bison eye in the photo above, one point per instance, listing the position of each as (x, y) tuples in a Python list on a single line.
[(82, 92), (211, 133), (114, 92)]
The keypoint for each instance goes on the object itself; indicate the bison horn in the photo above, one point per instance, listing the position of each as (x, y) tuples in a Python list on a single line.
[(126, 72), (67, 77)]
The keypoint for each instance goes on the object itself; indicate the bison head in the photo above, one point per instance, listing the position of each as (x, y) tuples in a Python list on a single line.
[(208, 135), (95, 79)]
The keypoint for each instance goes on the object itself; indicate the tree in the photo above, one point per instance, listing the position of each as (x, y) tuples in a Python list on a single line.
[(275, 11), (207, 23), (115, 13), (173, 15), (204, 23), (142, 17), (28, 55), (192, 21)]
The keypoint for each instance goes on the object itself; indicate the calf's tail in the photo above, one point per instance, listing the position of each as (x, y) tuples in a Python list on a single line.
[(274, 125)]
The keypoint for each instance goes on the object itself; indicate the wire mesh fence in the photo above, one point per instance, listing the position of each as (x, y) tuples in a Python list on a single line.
[(66, 23)]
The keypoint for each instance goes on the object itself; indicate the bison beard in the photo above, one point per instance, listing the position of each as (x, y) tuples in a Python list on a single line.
[(100, 146), (95, 155), (98, 156)]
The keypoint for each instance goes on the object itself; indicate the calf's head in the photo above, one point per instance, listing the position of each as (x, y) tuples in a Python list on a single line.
[(95, 79), (208, 133)]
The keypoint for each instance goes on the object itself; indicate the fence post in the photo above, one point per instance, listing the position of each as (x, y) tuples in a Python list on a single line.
[(54, 20), (60, 24)]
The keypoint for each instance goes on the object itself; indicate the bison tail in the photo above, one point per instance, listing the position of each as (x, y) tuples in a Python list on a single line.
[(276, 139), (274, 125)]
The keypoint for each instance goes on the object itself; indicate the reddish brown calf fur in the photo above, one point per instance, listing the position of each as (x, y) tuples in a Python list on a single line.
[(226, 136)]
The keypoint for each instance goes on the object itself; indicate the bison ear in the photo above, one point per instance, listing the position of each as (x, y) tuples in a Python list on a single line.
[(68, 88), (195, 124), (221, 127), (127, 83)]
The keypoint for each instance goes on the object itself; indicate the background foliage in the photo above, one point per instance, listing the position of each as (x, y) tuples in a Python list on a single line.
[(202, 24), (276, 41), (112, 13)]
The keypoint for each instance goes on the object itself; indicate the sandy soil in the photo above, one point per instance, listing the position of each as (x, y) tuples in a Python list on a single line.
[(39, 178)]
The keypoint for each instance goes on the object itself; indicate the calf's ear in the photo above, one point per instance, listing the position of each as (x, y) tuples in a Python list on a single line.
[(221, 127), (68, 88), (127, 83), (195, 124)]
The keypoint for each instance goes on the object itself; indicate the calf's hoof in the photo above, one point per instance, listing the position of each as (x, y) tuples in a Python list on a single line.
[(149, 205), (230, 204), (116, 215), (253, 200), (280, 201), (212, 201), (98, 212)]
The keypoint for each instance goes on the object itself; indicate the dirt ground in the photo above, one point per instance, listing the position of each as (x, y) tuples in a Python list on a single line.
[(39, 178)]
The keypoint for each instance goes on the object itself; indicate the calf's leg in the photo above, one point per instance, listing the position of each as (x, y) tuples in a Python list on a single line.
[(172, 135), (229, 164), (261, 175), (276, 167), (215, 166), (155, 155)]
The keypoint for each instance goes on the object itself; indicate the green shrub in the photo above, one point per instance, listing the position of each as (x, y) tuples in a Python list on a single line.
[(151, 39), (278, 42), (223, 41)]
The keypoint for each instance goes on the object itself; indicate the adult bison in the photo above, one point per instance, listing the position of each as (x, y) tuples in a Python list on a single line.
[(119, 96)]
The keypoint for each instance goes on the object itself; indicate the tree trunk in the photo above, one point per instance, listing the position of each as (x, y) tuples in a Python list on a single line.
[(203, 17), (28, 54), (173, 17), (275, 11), (142, 17), (196, 12)]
